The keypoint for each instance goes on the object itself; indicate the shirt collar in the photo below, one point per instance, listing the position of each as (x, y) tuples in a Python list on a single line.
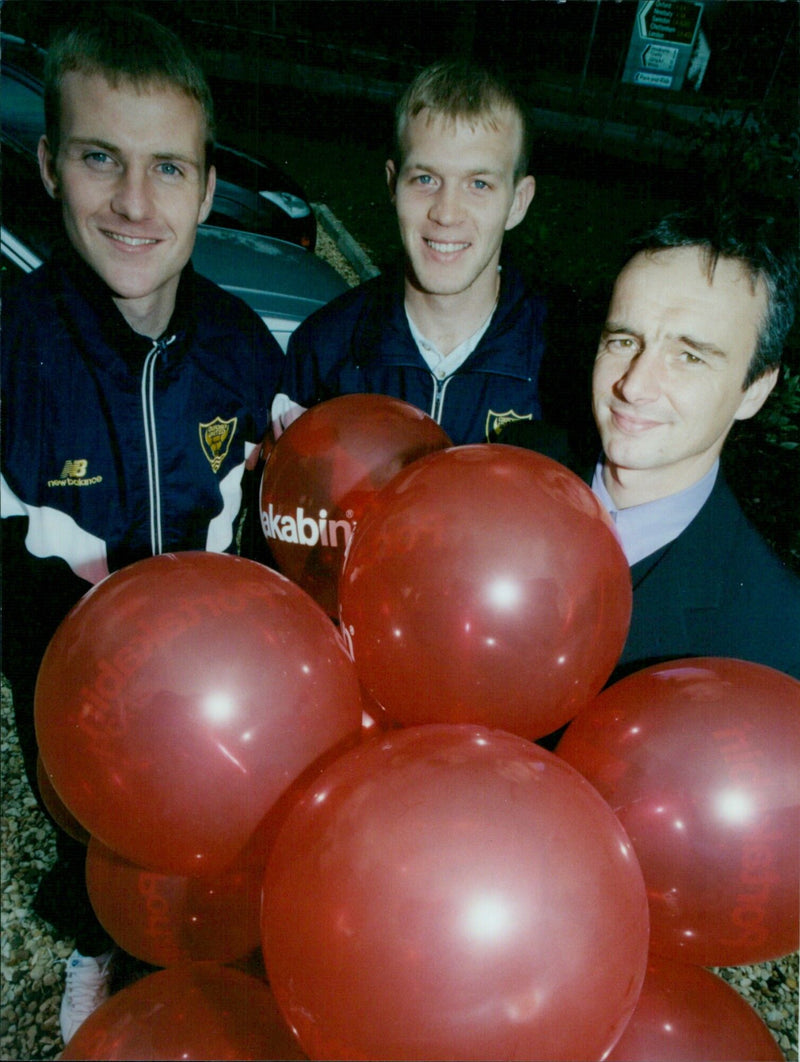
[(445, 364), (643, 529)]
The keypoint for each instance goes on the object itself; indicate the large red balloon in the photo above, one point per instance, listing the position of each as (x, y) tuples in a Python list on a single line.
[(485, 585), (165, 919), (699, 760), (452, 892), (192, 1011), (685, 1014), (180, 697), (322, 473)]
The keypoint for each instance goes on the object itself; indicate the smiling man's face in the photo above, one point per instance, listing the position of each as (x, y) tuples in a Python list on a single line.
[(131, 178), (456, 196), (668, 377)]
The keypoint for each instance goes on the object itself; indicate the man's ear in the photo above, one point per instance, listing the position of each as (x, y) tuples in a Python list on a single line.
[(756, 394), (523, 195), (391, 178), (208, 198), (47, 168)]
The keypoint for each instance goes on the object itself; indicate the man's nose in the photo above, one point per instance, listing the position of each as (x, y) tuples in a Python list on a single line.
[(132, 196), (446, 207), (641, 381)]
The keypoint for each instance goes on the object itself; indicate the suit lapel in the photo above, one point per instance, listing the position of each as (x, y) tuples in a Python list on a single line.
[(698, 562)]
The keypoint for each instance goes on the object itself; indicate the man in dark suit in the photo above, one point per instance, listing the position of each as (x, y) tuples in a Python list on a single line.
[(692, 343)]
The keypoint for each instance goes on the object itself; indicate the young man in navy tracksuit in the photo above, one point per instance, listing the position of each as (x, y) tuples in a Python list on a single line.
[(134, 390), (457, 334)]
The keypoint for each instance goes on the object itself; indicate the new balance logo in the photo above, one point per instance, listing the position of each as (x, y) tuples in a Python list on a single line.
[(73, 474), (74, 469)]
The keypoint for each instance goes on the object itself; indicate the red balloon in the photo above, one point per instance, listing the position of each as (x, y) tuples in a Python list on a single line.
[(58, 810), (699, 760), (686, 1013), (322, 473), (193, 1011), (180, 697), (165, 919), (452, 892), (485, 585)]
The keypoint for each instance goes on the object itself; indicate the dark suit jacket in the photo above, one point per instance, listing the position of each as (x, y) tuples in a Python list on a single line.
[(715, 590)]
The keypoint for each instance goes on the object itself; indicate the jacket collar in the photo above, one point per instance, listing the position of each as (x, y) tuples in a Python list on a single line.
[(91, 306), (383, 332)]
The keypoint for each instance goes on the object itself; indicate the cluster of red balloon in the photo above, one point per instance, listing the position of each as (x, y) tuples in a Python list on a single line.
[(444, 889), (698, 759), (481, 586)]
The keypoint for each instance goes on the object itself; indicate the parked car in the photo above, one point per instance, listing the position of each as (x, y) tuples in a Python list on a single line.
[(280, 280), (257, 196), (252, 194)]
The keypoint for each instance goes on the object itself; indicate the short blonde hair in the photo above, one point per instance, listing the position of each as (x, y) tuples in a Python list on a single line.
[(460, 89)]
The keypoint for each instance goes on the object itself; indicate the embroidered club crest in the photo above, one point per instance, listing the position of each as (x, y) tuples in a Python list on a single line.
[(216, 438), (495, 422)]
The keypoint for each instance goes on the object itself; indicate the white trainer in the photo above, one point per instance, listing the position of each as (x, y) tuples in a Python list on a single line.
[(88, 985)]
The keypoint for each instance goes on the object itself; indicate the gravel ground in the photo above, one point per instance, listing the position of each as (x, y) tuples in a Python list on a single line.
[(33, 959)]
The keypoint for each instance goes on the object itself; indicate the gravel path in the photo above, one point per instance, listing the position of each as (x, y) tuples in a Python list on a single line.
[(33, 960)]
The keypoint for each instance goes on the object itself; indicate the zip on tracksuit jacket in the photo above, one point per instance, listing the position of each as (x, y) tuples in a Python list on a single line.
[(116, 447), (361, 343)]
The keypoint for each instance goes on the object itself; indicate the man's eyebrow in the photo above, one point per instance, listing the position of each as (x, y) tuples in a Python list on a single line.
[(104, 145), (701, 346), (487, 171), (612, 327), (176, 156), (90, 141)]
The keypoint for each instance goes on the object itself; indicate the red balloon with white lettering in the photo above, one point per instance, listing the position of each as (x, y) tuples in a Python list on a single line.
[(181, 697), (322, 473), (699, 760)]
